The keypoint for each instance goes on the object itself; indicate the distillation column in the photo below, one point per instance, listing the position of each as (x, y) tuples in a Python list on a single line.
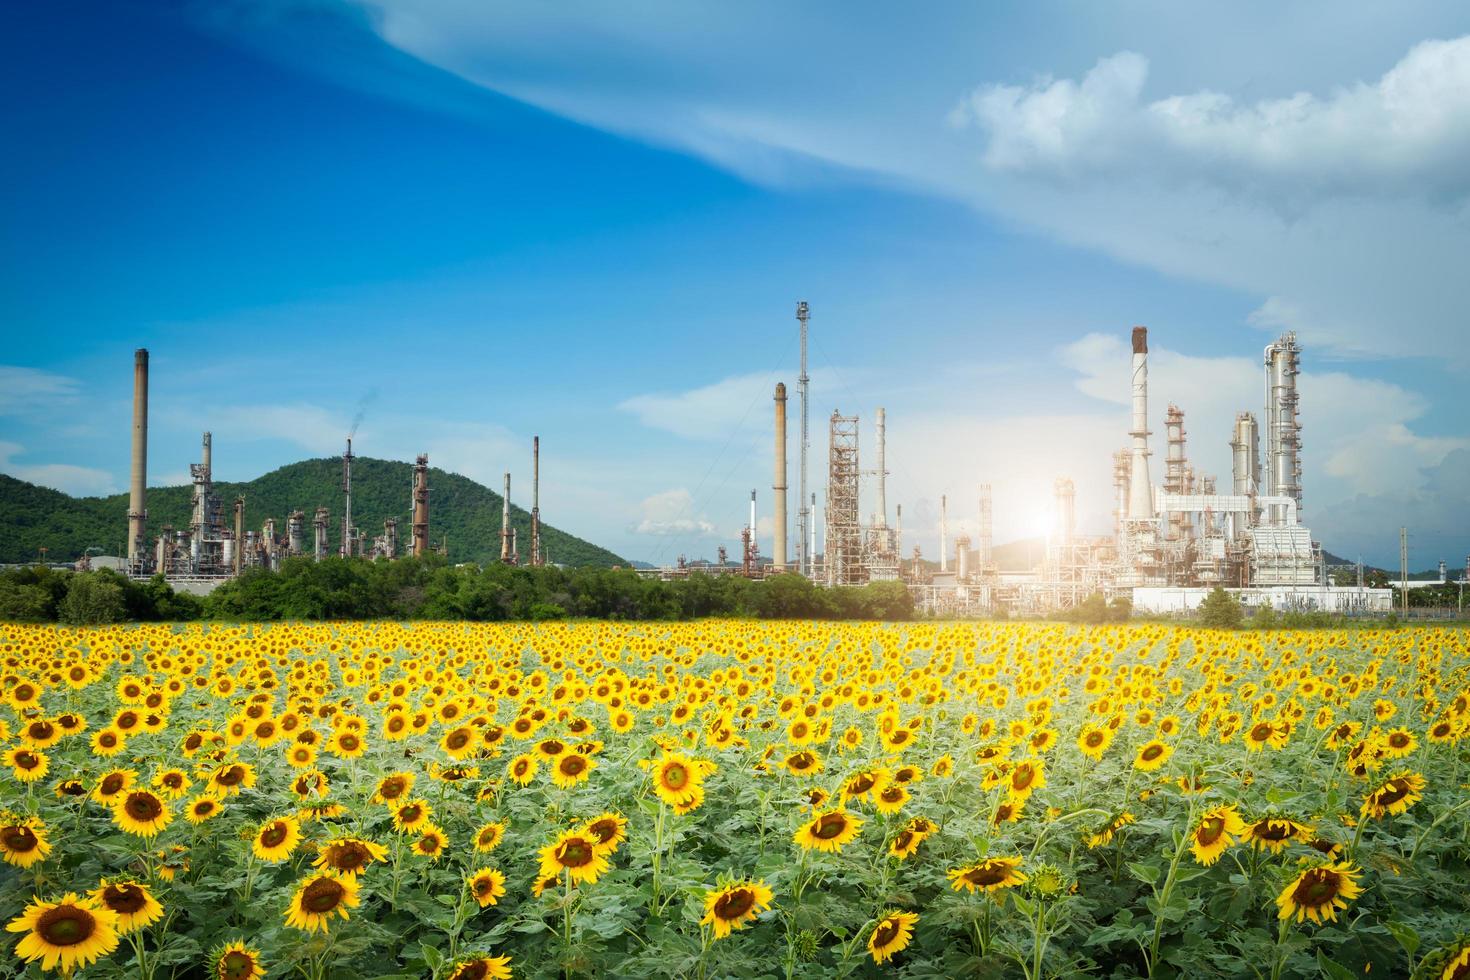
[(1283, 430), (535, 500), (778, 543), (505, 545), (806, 516), (138, 485), (986, 557), (420, 527), (1140, 490)]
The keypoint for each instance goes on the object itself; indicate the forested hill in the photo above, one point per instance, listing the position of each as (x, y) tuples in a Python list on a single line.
[(462, 513)]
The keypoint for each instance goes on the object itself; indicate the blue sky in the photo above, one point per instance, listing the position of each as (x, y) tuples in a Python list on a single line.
[(476, 223)]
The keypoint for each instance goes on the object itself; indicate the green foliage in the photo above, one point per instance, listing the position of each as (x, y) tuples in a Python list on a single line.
[(1096, 609), (463, 514), (96, 597), (1221, 610)]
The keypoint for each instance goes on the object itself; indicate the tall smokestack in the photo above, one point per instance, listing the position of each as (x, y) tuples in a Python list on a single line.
[(898, 529), (239, 532), (754, 548), (347, 509), (207, 458), (505, 545), (419, 531), (806, 517), (535, 500), (778, 545), (984, 558), (882, 425), (1140, 491), (943, 533), (138, 486)]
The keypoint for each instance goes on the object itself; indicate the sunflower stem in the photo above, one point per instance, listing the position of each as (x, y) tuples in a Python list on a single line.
[(1426, 831), (1168, 889), (1278, 959)]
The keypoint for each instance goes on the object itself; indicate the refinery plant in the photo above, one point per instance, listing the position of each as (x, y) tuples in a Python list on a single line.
[(210, 550), (1172, 541)]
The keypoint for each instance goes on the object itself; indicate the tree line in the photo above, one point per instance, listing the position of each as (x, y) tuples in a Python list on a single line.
[(430, 588)]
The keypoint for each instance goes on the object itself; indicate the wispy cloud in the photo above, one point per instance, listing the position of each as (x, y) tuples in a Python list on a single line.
[(26, 390), (79, 481)]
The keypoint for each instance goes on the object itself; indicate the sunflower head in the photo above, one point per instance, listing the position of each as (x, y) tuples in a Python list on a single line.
[(1319, 891), (236, 961), (135, 905), (69, 933), (891, 934), (730, 907)]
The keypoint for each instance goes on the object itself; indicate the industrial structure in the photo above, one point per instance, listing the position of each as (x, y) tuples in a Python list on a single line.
[(208, 552), (1172, 541)]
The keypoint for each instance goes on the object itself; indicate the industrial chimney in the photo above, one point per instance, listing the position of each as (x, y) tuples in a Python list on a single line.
[(778, 545), (943, 533), (882, 426), (1140, 491), (535, 500), (138, 487), (347, 506), (420, 528), (505, 543)]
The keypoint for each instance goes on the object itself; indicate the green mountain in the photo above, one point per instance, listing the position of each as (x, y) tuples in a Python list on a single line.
[(462, 514)]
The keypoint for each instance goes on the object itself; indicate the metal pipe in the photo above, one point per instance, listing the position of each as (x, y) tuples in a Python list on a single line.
[(1140, 491), (754, 548), (138, 486), (346, 549), (239, 532), (778, 543), (811, 554)]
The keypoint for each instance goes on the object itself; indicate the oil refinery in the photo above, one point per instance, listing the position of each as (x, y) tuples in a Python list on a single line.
[(1173, 540), (210, 551)]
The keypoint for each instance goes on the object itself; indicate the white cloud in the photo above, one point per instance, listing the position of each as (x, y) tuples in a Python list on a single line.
[(670, 514), (79, 481), (1406, 133), (26, 390)]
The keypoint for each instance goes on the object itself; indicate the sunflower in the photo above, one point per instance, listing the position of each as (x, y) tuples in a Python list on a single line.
[(487, 885), (571, 768), (349, 855), (677, 778), (72, 788), (860, 784), (1457, 964), (431, 842), (1318, 892), (610, 829), (1274, 833), (1152, 755), (488, 837), (905, 843), (23, 840), (411, 815), (393, 787), (142, 813), (891, 799), (892, 933), (277, 839), (319, 897), (481, 968), (237, 961), (1094, 741), (134, 904), (828, 831), (42, 733), (523, 768), (68, 933), (1401, 791), (577, 853), (1025, 779), (346, 744), (990, 875), (1217, 829), (1264, 733), (300, 755), (202, 808), (732, 906), (803, 763), (232, 777), (172, 783), (1008, 811), (1104, 836), (27, 764)]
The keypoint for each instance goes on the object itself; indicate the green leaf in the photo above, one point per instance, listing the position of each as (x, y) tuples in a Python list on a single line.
[(1406, 936), (1332, 968), (432, 957), (1146, 873)]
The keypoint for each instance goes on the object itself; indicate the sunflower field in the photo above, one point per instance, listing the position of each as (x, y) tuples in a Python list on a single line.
[(732, 798)]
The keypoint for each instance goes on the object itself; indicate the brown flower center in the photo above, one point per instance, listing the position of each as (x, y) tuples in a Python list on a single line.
[(236, 965), (734, 903), (675, 775), (575, 853), (1152, 752), (1317, 887), (124, 899), (143, 807), (19, 840), (886, 932), (274, 834), (829, 826), (66, 925), (322, 896)]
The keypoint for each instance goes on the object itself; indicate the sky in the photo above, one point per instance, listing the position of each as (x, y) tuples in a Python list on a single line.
[(467, 224)]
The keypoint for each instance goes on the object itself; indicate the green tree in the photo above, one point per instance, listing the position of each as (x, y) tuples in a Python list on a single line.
[(93, 597), (1221, 610)]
